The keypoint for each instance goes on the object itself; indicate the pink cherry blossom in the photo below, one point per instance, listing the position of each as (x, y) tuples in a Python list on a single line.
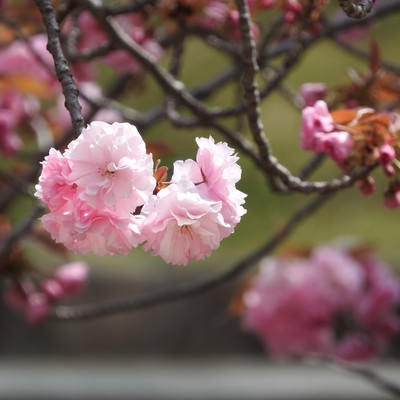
[(215, 174), (110, 166), (355, 347), (54, 187), (341, 275), (287, 307), (215, 14), (311, 92), (92, 36), (52, 289), (337, 144), (72, 276), (377, 308), (318, 133), (83, 229), (67, 280), (37, 307), (182, 226), (392, 194), (19, 59), (316, 120), (297, 305), (14, 107)]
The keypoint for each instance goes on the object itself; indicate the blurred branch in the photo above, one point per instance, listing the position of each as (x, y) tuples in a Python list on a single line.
[(147, 300), (356, 8), (370, 376), (20, 230)]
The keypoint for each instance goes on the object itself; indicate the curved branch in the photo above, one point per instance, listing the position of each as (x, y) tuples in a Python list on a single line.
[(147, 300)]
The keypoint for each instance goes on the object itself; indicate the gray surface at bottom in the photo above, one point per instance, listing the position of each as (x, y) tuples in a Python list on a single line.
[(183, 380)]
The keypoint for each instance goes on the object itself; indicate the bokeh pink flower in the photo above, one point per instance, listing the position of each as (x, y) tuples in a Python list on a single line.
[(330, 303), (36, 300)]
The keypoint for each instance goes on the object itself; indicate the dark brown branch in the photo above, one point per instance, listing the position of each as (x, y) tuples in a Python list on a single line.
[(251, 92), (63, 71), (147, 300), (357, 8), (20, 230)]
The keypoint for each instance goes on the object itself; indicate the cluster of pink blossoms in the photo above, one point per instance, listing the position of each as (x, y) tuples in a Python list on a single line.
[(320, 134), (36, 302), (92, 35), (331, 303), (353, 137), (103, 197)]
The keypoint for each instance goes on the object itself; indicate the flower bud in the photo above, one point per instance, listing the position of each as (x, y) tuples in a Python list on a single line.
[(37, 308), (72, 276)]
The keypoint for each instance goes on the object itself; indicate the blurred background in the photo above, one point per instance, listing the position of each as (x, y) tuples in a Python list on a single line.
[(199, 333)]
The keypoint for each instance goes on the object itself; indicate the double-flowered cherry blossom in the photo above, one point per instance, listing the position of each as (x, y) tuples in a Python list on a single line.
[(110, 166), (184, 226), (103, 196), (201, 207), (93, 189)]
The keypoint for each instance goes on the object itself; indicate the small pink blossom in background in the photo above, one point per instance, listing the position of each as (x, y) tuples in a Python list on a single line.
[(356, 347), (392, 195), (233, 19), (72, 276), (36, 302), (37, 307), (67, 280), (387, 154), (367, 185), (311, 92), (318, 133), (316, 121), (287, 308), (19, 59), (215, 14), (296, 306), (182, 226), (14, 107), (92, 36)]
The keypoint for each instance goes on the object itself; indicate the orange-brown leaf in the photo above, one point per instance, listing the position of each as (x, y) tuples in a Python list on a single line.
[(343, 116)]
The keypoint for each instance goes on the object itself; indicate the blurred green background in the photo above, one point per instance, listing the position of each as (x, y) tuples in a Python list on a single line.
[(202, 324)]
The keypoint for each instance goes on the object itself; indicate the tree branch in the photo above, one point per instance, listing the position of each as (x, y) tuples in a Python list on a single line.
[(63, 71)]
